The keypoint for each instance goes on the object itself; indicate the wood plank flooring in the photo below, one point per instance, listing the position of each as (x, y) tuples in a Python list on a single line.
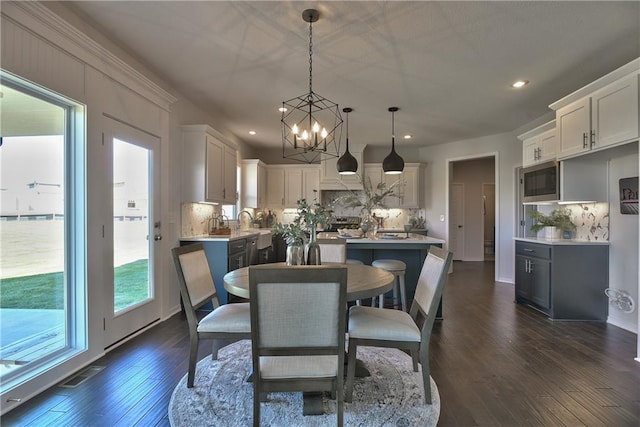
[(496, 364)]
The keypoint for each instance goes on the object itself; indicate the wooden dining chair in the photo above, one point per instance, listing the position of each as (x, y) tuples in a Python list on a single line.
[(298, 316), (382, 327), (225, 324), (333, 250)]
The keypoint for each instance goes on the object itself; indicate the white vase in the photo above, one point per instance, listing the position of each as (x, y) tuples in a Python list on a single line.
[(552, 233)]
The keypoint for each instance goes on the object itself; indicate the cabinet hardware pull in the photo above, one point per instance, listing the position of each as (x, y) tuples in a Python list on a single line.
[(593, 138), (528, 250), (584, 140)]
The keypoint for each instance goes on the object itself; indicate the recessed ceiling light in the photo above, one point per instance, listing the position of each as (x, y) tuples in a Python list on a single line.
[(282, 109), (520, 83), (252, 132), (408, 136)]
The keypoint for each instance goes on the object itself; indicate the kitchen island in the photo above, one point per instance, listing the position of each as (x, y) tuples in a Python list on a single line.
[(412, 251)]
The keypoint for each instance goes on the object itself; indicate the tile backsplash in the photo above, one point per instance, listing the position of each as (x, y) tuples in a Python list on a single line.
[(195, 218), (591, 219)]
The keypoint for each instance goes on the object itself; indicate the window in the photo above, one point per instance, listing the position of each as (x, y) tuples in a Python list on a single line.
[(42, 240)]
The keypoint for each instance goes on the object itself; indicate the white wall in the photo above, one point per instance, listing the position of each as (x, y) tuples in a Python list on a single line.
[(508, 151), (623, 248)]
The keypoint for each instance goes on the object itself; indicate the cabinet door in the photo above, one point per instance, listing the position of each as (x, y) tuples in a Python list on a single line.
[(214, 191), (547, 146), (262, 186), (574, 123), (523, 279), (540, 272), (230, 167), (530, 151), (275, 187), (409, 190), (615, 112), (311, 183), (293, 187)]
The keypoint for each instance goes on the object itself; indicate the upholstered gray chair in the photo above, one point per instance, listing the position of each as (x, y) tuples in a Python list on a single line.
[(298, 316), (382, 327), (225, 324), (333, 250)]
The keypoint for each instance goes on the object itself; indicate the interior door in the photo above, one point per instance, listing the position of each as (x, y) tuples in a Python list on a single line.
[(456, 222), (133, 232)]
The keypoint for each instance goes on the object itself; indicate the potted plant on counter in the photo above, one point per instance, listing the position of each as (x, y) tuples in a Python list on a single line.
[(556, 225)]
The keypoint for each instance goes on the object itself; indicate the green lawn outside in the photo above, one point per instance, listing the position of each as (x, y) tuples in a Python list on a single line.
[(45, 291)]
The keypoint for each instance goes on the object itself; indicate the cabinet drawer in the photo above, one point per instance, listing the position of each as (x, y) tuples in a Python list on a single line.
[(237, 246), (533, 250)]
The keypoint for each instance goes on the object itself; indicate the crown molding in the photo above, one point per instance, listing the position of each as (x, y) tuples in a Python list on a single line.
[(40, 20)]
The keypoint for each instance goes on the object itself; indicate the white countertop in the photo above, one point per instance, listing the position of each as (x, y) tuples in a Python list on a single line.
[(235, 235), (561, 241), (382, 238)]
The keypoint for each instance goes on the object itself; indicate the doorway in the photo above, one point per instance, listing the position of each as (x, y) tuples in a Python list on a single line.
[(472, 208)]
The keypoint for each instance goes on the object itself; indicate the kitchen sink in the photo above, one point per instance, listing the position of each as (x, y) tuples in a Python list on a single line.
[(264, 239)]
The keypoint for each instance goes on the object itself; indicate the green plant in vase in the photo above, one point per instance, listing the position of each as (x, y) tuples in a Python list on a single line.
[(559, 218)]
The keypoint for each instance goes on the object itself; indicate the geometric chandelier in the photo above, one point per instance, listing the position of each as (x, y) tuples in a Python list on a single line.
[(311, 124)]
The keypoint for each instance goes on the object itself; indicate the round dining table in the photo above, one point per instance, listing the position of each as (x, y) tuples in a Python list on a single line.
[(363, 281)]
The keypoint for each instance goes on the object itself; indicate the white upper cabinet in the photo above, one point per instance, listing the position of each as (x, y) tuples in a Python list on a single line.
[(606, 117), (408, 190), (209, 166), (254, 184), (539, 144), (275, 186), (286, 184)]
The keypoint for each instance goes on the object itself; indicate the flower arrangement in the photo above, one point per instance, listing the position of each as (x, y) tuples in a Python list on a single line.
[(559, 218), (370, 197), (309, 217)]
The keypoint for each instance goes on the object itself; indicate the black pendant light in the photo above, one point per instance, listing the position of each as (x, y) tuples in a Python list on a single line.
[(347, 164), (393, 163)]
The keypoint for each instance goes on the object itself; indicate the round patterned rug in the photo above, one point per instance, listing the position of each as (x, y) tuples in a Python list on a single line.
[(221, 396)]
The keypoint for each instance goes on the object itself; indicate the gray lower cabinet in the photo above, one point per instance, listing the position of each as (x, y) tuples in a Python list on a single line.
[(565, 281)]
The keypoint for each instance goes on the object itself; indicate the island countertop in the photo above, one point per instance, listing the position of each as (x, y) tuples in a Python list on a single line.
[(561, 241), (386, 239), (235, 235)]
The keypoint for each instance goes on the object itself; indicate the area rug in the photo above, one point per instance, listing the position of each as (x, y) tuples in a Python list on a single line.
[(221, 396)]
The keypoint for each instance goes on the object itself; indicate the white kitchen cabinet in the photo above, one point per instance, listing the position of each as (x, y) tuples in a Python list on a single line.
[(254, 184), (606, 117), (408, 190), (209, 166), (275, 186), (330, 179), (286, 184), (539, 144)]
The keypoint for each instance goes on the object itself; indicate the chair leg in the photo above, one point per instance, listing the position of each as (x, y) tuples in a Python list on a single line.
[(381, 302), (351, 369), (340, 401), (193, 356), (256, 403), (414, 359), (403, 293), (426, 373), (214, 349)]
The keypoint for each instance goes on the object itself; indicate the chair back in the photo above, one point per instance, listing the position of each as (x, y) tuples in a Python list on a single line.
[(429, 288), (298, 310), (195, 280), (333, 250)]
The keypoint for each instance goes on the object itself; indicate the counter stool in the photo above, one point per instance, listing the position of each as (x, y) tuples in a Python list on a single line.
[(397, 268)]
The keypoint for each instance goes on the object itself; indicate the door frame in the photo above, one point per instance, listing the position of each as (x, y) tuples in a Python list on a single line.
[(496, 174)]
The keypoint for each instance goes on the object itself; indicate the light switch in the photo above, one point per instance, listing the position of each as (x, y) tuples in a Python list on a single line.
[(441, 218)]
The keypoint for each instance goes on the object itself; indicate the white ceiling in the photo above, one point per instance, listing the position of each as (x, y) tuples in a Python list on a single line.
[(448, 66)]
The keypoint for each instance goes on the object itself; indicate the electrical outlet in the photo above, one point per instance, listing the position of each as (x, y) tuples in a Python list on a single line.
[(441, 218)]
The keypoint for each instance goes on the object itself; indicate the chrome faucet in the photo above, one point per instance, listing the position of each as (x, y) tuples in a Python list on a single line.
[(239, 215)]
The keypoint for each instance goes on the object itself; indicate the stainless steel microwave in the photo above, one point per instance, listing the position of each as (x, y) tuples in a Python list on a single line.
[(541, 182)]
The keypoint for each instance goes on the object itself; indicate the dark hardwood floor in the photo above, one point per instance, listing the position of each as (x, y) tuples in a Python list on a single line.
[(496, 364)]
